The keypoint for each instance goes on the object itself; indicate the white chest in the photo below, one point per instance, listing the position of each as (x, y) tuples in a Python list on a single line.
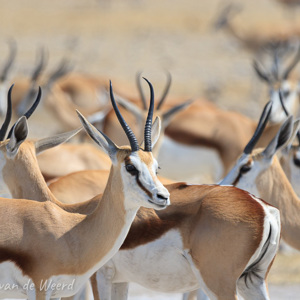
[(161, 265)]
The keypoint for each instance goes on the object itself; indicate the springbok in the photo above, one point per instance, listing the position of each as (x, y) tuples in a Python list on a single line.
[(189, 241), (178, 236), (59, 246), (281, 82), (258, 171)]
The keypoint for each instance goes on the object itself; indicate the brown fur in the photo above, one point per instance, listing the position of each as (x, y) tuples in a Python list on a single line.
[(67, 158), (275, 188), (57, 241), (206, 216)]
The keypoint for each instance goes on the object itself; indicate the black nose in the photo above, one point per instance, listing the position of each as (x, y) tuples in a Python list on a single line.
[(159, 196)]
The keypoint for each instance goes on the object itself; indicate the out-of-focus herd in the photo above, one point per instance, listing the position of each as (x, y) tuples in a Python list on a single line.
[(97, 211)]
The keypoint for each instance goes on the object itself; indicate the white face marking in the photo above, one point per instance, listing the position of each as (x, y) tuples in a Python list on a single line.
[(290, 96), (246, 181), (135, 196), (160, 265)]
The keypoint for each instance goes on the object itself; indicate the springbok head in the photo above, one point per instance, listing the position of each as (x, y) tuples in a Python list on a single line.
[(17, 154), (280, 80), (252, 165), (132, 167)]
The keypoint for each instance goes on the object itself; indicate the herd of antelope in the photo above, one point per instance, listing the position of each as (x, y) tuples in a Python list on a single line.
[(104, 202)]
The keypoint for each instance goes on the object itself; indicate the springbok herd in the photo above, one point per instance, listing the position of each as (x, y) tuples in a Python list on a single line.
[(104, 211)]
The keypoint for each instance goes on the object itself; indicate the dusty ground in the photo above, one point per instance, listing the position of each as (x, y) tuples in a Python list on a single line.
[(117, 38)]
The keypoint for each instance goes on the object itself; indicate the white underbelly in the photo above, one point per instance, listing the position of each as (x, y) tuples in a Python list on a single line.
[(160, 265), (186, 163)]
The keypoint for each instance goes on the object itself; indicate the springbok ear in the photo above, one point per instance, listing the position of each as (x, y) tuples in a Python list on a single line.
[(155, 132), (50, 142), (18, 136), (289, 143), (132, 108), (99, 137), (168, 115), (281, 139)]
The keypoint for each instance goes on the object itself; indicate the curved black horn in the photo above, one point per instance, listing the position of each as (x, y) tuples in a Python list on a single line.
[(140, 89), (63, 68), (10, 59), (166, 91), (42, 61), (148, 125), (260, 128), (262, 74), (130, 135), (30, 111), (6, 122), (292, 65), (282, 103)]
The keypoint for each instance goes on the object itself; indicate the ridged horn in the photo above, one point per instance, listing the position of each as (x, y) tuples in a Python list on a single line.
[(260, 128), (30, 111), (148, 125), (130, 135)]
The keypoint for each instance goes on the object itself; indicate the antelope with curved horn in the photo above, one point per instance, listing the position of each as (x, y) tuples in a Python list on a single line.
[(64, 242), (186, 239), (258, 171), (4, 82), (284, 82), (290, 155), (176, 244)]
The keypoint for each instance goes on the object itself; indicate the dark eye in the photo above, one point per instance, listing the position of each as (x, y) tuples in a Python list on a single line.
[(286, 94), (297, 161), (131, 169), (245, 168)]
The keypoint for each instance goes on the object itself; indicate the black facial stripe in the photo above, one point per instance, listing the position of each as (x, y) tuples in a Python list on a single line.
[(236, 181), (128, 161), (142, 187)]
